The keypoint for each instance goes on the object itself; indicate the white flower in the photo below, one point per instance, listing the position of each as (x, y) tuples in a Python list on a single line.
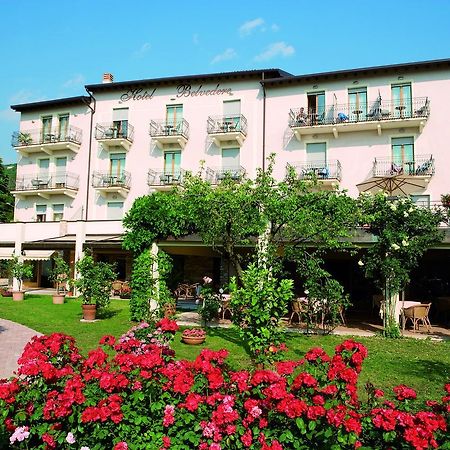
[(405, 214), (360, 263), (306, 291), (393, 206), (411, 209), (405, 243), (70, 438), (395, 246), (85, 448)]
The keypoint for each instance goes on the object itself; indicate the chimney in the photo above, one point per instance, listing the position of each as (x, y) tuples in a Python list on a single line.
[(108, 78)]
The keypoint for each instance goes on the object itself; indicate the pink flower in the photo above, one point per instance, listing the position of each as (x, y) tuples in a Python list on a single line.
[(70, 438), (207, 280), (20, 434)]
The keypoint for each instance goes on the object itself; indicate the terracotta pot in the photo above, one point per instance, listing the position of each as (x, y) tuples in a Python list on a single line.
[(169, 310), (89, 311), (18, 295), (58, 299), (193, 340)]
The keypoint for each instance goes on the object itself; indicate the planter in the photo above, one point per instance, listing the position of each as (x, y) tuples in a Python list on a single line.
[(89, 311), (169, 310), (18, 295), (193, 340), (58, 299)]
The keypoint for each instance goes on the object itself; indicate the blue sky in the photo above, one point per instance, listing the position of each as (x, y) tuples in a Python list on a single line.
[(50, 49)]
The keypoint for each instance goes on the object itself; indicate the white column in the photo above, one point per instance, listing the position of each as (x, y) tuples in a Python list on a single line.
[(20, 235), (155, 275), (80, 239)]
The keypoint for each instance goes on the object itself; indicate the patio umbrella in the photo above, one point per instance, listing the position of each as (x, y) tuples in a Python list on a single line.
[(394, 185)]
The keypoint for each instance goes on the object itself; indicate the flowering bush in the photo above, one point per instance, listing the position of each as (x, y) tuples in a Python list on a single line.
[(194, 332), (125, 398)]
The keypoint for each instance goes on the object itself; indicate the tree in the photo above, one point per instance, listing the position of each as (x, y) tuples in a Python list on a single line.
[(6, 198), (404, 232)]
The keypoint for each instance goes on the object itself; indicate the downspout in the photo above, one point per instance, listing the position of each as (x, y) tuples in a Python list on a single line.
[(88, 184), (263, 125)]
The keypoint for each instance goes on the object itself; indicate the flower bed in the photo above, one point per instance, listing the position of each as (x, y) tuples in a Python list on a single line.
[(137, 395)]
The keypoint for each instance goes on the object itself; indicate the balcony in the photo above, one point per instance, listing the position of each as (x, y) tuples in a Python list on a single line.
[(227, 128), (46, 184), (420, 166), (169, 132), (163, 180), (344, 118), (327, 173), (114, 134), (108, 183), (47, 141), (216, 174)]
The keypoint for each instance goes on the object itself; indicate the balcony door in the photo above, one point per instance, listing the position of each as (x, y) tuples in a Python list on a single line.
[(60, 175), (357, 104), (172, 161), (117, 166), (316, 107), (120, 122), (401, 100), (46, 129), (403, 154), (43, 167), (316, 154), (232, 113), (174, 117), (63, 126)]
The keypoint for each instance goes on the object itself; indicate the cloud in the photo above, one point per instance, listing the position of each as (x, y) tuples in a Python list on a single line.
[(22, 96), (228, 54), (248, 27), (274, 50), (274, 27), (75, 81), (195, 39), (140, 52)]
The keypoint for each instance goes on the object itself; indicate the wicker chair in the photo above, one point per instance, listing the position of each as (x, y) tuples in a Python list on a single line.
[(417, 314), (296, 310), (116, 287)]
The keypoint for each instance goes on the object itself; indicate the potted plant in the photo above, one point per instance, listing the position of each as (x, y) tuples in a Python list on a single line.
[(25, 138), (445, 199), (20, 271), (59, 275), (94, 283), (193, 336)]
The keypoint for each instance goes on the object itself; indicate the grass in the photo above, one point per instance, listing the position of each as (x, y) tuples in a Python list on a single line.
[(421, 364)]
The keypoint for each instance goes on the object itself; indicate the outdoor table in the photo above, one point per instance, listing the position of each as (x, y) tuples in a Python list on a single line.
[(403, 305)]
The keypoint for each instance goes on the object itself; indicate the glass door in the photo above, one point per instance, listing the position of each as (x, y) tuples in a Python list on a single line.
[(232, 114), (60, 175), (120, 123), (174, 119), (63, 126), (357, 104), (401, 100), (117, 168), (403, 155), (172, 170), (316, 107), (46, 129)]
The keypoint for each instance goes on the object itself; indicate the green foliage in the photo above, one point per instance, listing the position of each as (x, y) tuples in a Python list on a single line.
[(19, 270), (211, 304), (94, 280), (257, 309), (141, 286), (6, 198), (60, 272), (404, 232)]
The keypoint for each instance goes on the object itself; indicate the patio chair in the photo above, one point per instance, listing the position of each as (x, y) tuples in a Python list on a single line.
[(225, 306), (116, 287), (417, 314), (422, 110), (424, 168), (296, 310)]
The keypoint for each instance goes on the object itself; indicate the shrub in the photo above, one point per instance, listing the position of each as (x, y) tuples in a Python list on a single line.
[(137, 395)]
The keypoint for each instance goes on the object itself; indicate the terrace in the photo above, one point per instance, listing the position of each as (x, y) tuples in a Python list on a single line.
[(227, 128), (46, 184), (113, 134), (169, 132)]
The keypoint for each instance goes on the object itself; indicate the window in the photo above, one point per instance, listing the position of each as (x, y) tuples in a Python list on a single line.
[(421, 200), (44, 165), (117, 164), (230, 158), (232, 113), (120, 122), (58, 212), (115, 210), (46, 128), (401, 100), (403, 151), (316, 154), (316, 107), (174, 115), (357, 103), (41, 213), (63, 120), (172, 161), (61, 164)]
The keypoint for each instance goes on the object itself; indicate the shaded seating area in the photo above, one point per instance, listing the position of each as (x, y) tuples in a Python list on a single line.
[(417, 315)]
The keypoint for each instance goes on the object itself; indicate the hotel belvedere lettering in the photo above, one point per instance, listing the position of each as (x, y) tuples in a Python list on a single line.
[(185, 90)]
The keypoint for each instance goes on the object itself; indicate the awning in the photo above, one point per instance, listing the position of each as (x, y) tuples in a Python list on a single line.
[(6, 252), (38, 255)]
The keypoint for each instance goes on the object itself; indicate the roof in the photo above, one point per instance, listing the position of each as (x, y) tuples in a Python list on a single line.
[(242, 74), (79, 100), (373, 70)]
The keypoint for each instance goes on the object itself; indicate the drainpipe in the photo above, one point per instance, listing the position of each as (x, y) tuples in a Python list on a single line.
[(263, 125), (88, 184)]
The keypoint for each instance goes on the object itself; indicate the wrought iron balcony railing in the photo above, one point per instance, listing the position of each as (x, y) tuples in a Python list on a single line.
[(227, 124), (420, 165), (41, 136), (217, 174), (162, 177), (162, 128), (47, 180), (378, 110), (120, 129), (110, 180), (321, 170)]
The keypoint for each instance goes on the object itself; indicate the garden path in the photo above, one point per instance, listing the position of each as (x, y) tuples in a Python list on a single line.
[(13, 338)]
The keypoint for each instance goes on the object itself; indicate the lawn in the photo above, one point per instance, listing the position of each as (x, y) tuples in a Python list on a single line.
[(421, 364)]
